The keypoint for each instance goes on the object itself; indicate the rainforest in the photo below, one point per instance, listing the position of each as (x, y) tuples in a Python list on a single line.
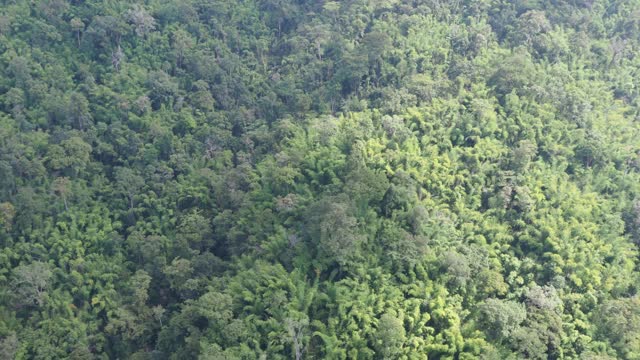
[(314, 179)]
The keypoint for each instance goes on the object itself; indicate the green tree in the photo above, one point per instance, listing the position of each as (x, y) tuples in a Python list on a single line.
[(129, 183), (501, 318), (30, 283), (333, 230), (617, 322), (390, 336)]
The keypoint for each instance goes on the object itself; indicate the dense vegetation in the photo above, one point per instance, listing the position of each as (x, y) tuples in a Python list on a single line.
[(280, 179)]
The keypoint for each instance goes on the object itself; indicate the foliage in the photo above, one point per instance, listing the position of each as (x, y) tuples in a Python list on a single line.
[(276, 179)]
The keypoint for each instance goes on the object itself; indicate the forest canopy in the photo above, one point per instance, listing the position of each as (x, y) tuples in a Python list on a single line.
[(294, 179)]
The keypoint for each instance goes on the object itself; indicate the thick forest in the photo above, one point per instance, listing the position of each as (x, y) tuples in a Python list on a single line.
[(297, 179)]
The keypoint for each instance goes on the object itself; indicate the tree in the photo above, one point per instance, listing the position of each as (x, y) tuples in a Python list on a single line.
[(182, 44), (457, 265), (195, 230), (531, 24), (133, 322), (618, 321), (390, 336), (141, 20), (9, 346), (62, 187), (129, 182), (30, 283), (107, 30), (77, 25), (117, 56), (7, 214), (20, 70), (296, 329), (73, 154), (513, 74), (367, 187), (180, 276), (522, 155), (544, 298), (333, 230), (202, 98), (78, 152), (78, 110), (162, 88), (529, 344), (15, 101), (319, 36), (402, 245), (374, 45), (501, 318)]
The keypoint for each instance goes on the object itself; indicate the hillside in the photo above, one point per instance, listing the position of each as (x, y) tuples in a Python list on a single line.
[(280, 179)]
